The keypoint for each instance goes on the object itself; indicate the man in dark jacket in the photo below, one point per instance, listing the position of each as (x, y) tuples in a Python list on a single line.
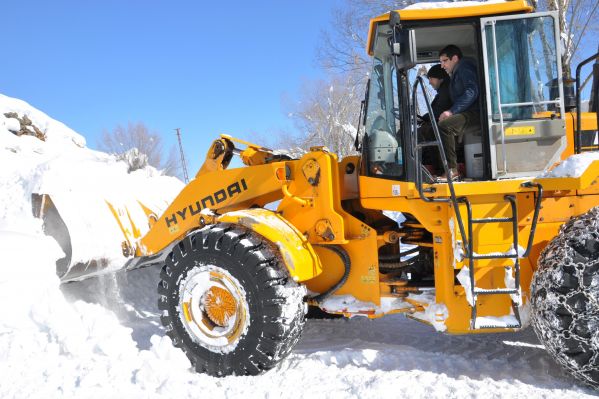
[(439, 80), (464, 112)]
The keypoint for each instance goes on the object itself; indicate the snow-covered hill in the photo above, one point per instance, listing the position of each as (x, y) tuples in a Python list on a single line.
[(101, 337)]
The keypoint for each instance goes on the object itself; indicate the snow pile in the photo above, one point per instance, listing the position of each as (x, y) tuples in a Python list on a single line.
[(79, 181), (48, 347), (573, 166), (135, 159), (58, 134)]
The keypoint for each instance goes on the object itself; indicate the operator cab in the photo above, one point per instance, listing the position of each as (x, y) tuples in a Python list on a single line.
[(522, 128)]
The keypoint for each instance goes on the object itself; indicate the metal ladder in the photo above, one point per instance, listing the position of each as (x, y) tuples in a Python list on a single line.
[(475, 292), (469, 246)]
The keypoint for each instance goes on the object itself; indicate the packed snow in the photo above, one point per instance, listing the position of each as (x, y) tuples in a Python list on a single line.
[(573, 166), (101, 337), (450, 4)]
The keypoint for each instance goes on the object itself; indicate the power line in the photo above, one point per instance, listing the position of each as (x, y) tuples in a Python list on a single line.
[(183, 163)]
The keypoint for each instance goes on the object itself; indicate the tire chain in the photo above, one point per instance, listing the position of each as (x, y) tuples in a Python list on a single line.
[(565, 297)]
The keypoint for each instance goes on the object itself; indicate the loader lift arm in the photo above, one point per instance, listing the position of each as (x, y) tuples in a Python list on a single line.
[(221, 152), (216, 189)]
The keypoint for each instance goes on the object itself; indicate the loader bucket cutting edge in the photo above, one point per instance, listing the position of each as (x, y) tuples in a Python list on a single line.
[(70, 267), (54, 226)]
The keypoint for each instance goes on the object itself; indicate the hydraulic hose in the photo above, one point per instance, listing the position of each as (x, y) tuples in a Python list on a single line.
[(347, 266)]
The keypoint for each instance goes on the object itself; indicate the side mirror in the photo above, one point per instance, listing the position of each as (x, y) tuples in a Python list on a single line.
[(402, 43)]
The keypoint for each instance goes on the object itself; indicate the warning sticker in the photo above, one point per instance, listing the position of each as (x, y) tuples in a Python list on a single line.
[(520, 131), (395, 190)]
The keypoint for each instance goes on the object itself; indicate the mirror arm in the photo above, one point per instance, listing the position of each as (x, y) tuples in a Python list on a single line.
[(357, 141), (362, 116), (395, 25)]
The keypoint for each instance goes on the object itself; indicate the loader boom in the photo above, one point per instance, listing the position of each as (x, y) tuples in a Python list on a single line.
[(216, 189)]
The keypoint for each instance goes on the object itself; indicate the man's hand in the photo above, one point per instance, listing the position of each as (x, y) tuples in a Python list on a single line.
[(445, 115)]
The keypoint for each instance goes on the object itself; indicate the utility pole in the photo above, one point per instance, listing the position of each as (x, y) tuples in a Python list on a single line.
[(178, 130)]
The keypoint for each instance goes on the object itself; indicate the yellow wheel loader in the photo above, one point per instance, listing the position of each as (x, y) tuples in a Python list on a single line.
[(245, 250)]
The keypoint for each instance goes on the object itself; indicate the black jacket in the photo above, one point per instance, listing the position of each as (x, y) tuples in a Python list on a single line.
[(442, 101), (464, 87)]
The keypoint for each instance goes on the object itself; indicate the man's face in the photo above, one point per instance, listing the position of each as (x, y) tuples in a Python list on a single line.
[(448, 63), (435, 82)]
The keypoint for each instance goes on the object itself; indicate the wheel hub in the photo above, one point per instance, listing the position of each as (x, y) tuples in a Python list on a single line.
[(220, 305), (214, 309)]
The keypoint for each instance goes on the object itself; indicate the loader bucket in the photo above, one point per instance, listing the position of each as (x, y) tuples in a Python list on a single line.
[(96, 235), (54, 226)]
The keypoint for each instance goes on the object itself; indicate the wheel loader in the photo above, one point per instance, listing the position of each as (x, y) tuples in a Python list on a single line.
[(244, 251)]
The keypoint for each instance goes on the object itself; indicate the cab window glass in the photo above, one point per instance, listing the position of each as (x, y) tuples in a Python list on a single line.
[(526, 71)]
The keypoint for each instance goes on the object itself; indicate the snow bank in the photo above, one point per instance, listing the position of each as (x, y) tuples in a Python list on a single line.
[(57, 133), (49, 347), (80, 182)]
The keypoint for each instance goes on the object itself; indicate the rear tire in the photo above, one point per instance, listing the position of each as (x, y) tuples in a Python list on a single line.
[(565, 297), (228, 302)]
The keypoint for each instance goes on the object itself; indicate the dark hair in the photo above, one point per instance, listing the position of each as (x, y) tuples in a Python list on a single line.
[(450, 51), (437, 72)]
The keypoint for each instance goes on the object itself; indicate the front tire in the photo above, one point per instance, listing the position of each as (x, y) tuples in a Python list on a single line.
[(228, 302), (565, 297)]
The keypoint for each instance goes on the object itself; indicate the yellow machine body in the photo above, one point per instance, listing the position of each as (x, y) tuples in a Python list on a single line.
[(319, 199)]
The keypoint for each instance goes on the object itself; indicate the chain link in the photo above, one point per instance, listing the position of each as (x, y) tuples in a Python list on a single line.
[(565, 297)]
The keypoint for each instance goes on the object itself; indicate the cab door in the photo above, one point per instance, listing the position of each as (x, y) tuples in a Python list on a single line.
[(524, 89)]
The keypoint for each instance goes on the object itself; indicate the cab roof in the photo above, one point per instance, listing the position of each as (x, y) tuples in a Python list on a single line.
[(449, 10)]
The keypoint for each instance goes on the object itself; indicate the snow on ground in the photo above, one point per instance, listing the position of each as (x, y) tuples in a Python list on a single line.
[(101, 337), (355, 358)]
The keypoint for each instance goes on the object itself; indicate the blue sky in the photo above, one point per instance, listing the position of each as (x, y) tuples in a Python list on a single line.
[(204, 66)]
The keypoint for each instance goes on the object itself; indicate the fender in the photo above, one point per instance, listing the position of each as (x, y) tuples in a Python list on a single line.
[(299, 256)]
